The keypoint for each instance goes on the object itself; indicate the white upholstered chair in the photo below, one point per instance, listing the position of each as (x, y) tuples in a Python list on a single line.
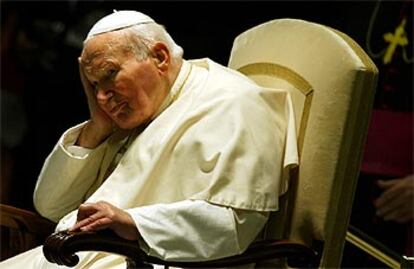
[(332, 82)]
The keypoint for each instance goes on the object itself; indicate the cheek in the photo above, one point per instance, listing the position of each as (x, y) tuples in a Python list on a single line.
[(140, 92), (143, 91), (139, 103)]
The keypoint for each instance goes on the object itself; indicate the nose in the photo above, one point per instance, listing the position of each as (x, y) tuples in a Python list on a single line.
[(103, 95)]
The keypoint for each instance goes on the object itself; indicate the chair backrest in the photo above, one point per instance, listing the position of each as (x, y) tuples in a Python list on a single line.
[(332, 82)]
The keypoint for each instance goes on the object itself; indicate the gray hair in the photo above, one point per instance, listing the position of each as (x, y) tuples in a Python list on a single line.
[(150, 33), (140, 38)]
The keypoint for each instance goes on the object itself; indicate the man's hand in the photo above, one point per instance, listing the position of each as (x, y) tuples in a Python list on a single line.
[(101, 125), (397, 200), (102, 215)]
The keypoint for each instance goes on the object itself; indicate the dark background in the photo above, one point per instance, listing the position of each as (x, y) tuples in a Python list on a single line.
[(41, 95)]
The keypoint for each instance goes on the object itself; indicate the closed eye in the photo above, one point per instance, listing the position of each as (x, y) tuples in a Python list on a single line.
[(111, 73), (94, 85)]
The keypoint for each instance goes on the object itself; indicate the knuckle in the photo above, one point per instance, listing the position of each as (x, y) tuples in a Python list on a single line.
[(102, 203), (111, 214)]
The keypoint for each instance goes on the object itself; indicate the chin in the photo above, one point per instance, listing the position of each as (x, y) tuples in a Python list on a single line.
[(129, 120), (129, 124)]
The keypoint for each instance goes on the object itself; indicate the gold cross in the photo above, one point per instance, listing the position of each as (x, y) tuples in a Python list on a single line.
[(398, 38)]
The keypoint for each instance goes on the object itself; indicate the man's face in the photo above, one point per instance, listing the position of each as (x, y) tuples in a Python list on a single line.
[(127, 90)]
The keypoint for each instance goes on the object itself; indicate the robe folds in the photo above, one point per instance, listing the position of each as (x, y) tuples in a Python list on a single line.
[(217, 138)]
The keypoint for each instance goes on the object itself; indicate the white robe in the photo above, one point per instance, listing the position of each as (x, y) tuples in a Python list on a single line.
[(215, 158)]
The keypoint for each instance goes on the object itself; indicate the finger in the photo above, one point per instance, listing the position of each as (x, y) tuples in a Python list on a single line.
[(390, 216), (86, 221), (396, 199), (87, 213), (393, 205), (85, 81), (97, 225), (404, 215), (86, 210), (393, 191), (385, 184), (89, 90), (399, 215), (405, 218), (385, 198)]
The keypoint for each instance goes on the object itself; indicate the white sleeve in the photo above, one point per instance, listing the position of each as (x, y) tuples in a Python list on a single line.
[(69, 139), (66, 168), (78, 151), (195, 230)]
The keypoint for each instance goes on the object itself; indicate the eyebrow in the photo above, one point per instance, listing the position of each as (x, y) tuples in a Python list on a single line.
[(100, 71), (90, 56)]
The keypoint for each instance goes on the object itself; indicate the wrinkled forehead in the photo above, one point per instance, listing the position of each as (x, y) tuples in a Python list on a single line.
[(110, 44)]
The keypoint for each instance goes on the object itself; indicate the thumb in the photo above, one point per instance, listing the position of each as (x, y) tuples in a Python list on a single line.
[(85, 210), (385, 184)]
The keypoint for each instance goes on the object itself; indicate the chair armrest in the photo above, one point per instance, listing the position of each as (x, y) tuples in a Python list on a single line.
[(22, 230), (24, 220), (61, 247)]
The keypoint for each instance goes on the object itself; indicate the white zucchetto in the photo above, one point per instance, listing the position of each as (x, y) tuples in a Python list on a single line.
[(118, 20)]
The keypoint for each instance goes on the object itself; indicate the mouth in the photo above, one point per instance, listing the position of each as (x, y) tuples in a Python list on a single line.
[(116, 109)]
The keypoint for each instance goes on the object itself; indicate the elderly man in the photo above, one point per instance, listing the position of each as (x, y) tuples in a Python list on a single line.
[(188, 157)]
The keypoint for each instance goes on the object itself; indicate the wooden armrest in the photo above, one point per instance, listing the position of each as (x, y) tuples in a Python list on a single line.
[(21, 230), (61, 247), (24, 220)]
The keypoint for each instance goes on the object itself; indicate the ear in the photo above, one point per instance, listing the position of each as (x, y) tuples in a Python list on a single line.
[(161, 56)]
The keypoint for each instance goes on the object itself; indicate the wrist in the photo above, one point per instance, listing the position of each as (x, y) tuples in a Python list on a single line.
[(92, 135), (128, 230)]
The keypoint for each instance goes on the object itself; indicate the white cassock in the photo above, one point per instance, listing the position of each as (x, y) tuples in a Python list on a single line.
[(199, 180)]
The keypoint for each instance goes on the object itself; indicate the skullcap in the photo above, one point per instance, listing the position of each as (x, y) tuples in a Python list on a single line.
[(118, 20)]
